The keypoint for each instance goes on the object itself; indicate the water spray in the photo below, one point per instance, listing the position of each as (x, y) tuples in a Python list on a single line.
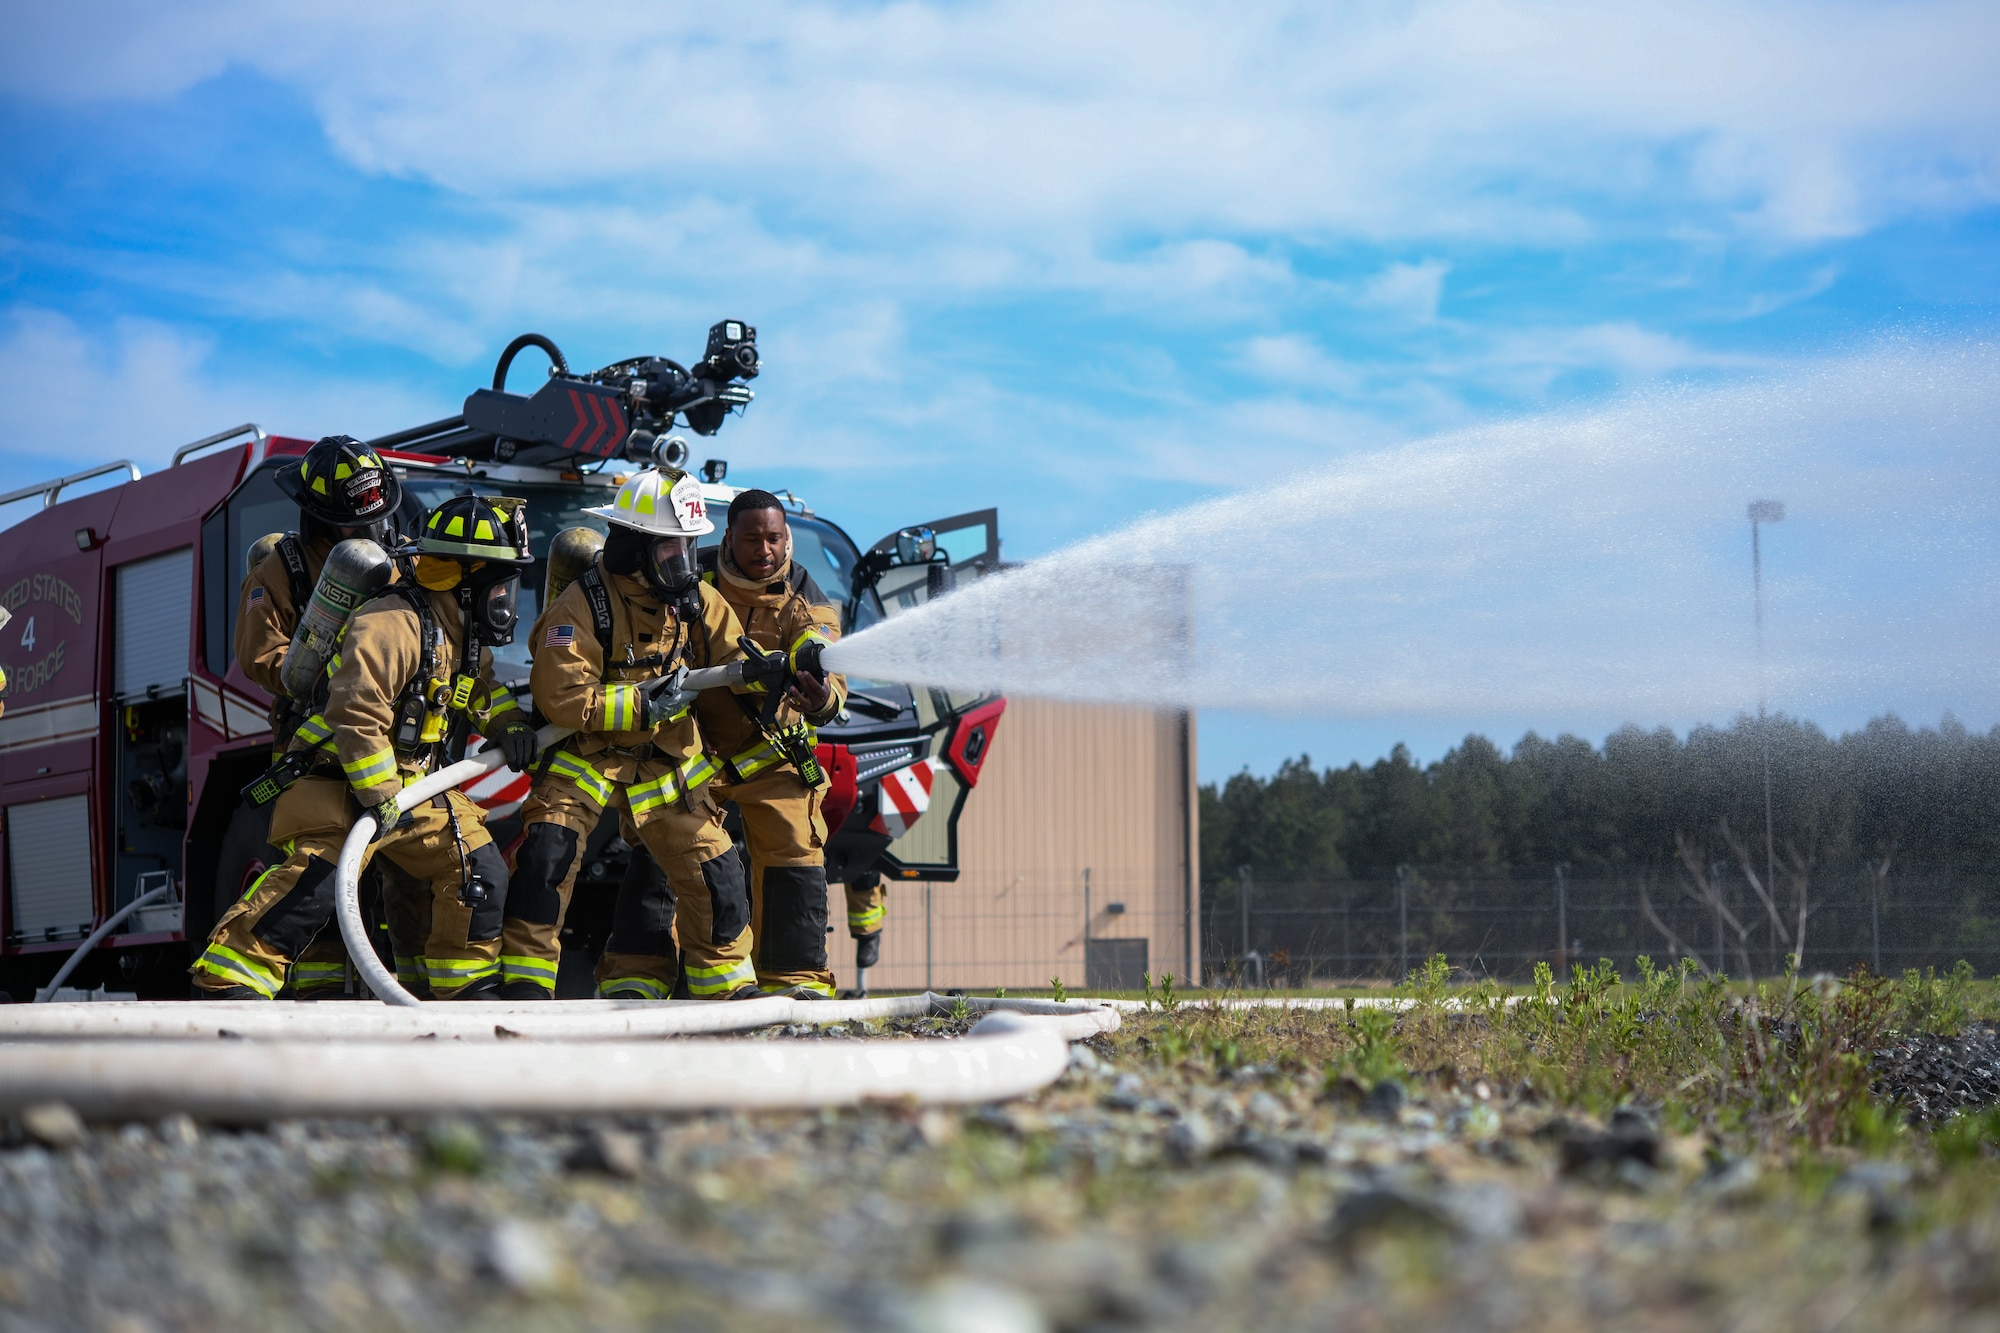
[(1578, 570)]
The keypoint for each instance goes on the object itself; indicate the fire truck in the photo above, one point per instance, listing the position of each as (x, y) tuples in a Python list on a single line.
[(129, 731)]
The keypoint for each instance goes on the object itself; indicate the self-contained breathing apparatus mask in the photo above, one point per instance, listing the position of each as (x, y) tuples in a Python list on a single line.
[(670, 569), (665, 564), (490, 593)]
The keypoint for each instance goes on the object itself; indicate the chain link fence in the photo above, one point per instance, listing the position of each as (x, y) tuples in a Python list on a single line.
[(1502, 923)]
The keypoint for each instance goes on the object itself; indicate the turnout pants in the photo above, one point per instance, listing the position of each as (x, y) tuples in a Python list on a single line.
[(786, 839), (257, 941), (867, 906), (321, 971), (691, 900)]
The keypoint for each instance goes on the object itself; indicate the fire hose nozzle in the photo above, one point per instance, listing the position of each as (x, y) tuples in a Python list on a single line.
[(810, 658), (771, 670)]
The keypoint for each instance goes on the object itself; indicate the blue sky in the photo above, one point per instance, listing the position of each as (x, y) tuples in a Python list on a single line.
[(1082, 262)]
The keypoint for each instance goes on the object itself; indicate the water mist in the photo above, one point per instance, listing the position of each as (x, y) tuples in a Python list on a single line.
[(1585, 568)]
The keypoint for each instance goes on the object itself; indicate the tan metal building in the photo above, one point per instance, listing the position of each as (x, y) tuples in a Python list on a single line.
[(1077, 857)]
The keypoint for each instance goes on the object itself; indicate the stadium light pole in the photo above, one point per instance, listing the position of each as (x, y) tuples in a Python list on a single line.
[(1761, 512)]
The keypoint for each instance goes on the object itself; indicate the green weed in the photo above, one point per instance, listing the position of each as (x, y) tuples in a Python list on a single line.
[(1374, 1056), (1930, 1003), (1966, 1138)]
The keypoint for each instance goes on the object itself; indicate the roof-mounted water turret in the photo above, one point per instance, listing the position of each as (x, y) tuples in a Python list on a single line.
[(619, 411)]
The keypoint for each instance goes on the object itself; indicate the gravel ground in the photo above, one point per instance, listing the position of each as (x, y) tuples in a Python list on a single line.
[(1130, 1195), (1933, 1078)]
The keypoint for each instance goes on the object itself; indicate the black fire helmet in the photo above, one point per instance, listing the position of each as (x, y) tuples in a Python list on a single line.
[(342, 482)]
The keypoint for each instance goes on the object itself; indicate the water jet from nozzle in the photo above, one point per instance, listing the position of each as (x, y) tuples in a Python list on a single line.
[(1580, 569)]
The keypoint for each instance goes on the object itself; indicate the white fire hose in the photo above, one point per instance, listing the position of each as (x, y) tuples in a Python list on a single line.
[(381, 981), (111, 923), (1005, 1055), (566, 1020)]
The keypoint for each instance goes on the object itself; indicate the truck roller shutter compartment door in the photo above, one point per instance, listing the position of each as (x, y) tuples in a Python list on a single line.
[(48, 869), (154, 608)]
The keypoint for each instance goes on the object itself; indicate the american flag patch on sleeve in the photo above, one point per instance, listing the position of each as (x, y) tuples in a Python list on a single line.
[(256, 596), (559, 636)]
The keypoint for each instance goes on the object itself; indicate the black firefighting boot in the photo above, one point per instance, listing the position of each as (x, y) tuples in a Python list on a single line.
[(486, 988), (525, 990), (867, 950)]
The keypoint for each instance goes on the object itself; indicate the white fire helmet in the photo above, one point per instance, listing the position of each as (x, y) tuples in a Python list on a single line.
[(664, 502)]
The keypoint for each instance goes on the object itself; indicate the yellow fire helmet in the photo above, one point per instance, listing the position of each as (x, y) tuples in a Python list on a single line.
[(661, 502)]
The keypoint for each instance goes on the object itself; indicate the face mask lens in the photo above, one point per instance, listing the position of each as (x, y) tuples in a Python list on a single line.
[(673, 564), (498, 607)]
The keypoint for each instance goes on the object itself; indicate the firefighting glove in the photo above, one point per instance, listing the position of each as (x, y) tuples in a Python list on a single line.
[(667, 701), (515, 739), (389, 816)]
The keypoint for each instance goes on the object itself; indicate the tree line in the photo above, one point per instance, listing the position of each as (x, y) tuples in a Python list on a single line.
[(1886, 796)]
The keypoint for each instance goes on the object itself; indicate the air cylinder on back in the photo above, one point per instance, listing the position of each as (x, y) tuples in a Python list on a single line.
[(260, 548), (355, 571), (570, 553)]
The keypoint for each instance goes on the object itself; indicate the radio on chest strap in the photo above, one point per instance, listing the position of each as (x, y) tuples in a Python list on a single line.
[(421, 718)]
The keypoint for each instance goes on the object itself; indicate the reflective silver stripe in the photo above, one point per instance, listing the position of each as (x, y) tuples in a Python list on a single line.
[(594, 783), (230, 965), (621, 707), (371, 769), (533, 969), (725, 977)]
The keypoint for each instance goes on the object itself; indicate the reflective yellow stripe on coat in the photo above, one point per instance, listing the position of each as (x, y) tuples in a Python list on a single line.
[(370, 770), (621, 708)]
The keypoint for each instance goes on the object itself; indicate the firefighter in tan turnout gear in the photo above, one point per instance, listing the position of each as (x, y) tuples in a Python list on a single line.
[(412, 670), (635, 614), (766, 749), (343, 490)]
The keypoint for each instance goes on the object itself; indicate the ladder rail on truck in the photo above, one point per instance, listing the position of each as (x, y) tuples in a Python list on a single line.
[(122, 757)]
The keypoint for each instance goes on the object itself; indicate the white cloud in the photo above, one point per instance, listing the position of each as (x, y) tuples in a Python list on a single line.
[(1412, 291), (1292, 359), (71, 398), (1054, 125), (1527, 361)]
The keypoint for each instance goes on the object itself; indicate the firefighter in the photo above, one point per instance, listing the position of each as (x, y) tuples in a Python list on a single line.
[(634, 615), (343, 490), (767, 765), (413, 667)]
